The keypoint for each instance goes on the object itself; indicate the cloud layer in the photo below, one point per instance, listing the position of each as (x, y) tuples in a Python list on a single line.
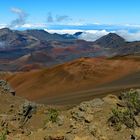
[(92, 35), (96, 34), (129, 36)]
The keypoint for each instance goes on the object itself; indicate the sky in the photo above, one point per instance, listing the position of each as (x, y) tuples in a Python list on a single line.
[(72, 15)]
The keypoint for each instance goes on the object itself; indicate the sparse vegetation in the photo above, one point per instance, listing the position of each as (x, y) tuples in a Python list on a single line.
[(132, 101), (3, 135), (126, 115), (121, 116), (52, 115)]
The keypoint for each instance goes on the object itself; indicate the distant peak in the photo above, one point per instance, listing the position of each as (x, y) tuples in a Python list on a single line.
[(77, 33), (114, 35), (111, 40), (36, 30)]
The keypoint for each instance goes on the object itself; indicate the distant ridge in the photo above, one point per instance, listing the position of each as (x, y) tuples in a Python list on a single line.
[(111, 40), (46, 36), (39, 46)]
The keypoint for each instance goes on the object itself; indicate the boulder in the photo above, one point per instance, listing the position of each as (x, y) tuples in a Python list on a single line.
[(111, 99), (6, 88), (60, 120), (26, 111), (137, 133)]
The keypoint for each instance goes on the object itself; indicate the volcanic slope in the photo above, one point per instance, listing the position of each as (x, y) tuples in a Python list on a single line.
[(70, 82)]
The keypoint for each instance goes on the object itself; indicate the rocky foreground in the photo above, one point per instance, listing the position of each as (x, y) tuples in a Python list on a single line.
[(110, 118)]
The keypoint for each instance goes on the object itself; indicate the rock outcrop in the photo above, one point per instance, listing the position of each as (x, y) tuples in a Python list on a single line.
[(6, 88), (98, 119)]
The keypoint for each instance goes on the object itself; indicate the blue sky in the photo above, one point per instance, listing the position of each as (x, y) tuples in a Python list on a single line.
[(97, 17), (84, 11)]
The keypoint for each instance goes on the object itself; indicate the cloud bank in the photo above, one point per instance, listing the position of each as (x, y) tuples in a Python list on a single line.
[(129, 36), (92, 35), (96, 34)]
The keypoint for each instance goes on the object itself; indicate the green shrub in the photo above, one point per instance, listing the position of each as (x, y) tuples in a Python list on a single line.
[(3, 135), (132, 100), (52, 115), (126, 115), (120, 117)]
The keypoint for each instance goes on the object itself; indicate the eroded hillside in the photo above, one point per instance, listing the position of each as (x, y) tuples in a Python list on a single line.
[(74, 80)]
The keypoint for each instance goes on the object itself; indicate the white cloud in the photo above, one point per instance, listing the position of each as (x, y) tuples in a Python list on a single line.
[(96, 34), (129, 36), (61, 18), (132, 25), (16, 10), (21, 18), (50, 18), (89, 35), (3, 26), (57, 19), (92, 35), (34, 26), (63, 31)]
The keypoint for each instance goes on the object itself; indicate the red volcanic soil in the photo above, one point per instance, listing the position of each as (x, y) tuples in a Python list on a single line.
[(70, 49), (72, 77)]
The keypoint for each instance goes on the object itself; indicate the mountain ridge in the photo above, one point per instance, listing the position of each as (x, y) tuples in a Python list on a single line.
[(56, 48)]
